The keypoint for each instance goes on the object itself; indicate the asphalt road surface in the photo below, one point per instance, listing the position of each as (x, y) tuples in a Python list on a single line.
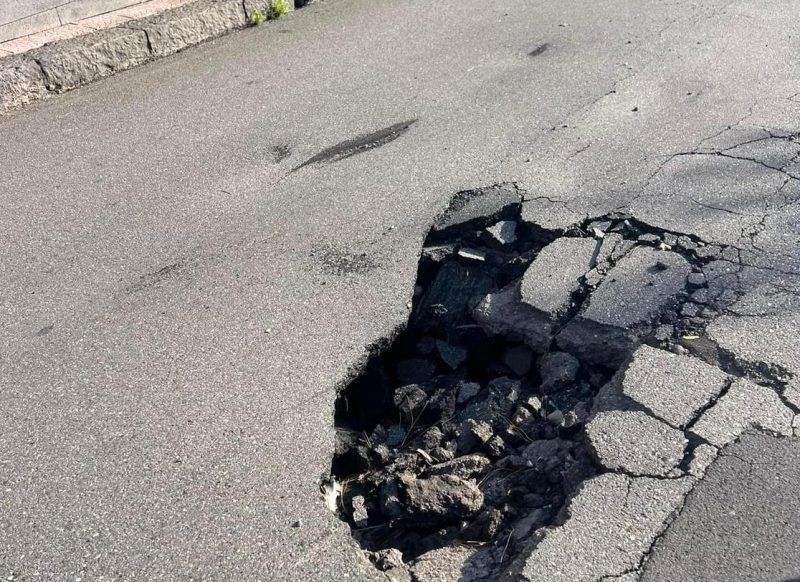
[(180, 299)]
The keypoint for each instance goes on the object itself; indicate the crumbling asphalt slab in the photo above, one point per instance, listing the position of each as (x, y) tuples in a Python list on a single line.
[(173, 189)]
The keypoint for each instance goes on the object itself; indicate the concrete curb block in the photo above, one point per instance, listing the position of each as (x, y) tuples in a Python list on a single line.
[(191, 24), (64, 65), (75, 62), (21, 81)]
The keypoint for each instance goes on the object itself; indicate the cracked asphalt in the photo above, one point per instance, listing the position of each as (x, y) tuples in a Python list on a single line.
[(178, 306)]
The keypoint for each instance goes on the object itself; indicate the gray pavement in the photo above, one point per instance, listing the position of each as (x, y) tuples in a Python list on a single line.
[(178, 307), (741, 522)]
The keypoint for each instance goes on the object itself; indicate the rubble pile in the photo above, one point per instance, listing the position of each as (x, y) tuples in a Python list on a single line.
[(469, 428)]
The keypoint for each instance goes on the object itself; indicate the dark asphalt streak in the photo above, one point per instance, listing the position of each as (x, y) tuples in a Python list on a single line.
[(359, 145), (539, 50)]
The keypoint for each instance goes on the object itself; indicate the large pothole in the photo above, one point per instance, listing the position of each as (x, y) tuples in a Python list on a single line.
[(468, 428)]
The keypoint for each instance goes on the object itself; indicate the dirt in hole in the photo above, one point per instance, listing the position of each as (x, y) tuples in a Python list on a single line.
[(464, 431)]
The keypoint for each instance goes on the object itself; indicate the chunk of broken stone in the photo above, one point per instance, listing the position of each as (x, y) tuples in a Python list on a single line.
[(484, 527), (359, 507), (547, 449), (557, 370), (409, 399), (518, 359), (745, 405), (502, 313), (464, 466), (674, 388), (504, 232), (635, 443), (451, 355), (432, 438), (625, 306), (495, 446), (388, 559), (454, 292), (440, 499), (533, 521), (550, 281), (442, 403), (505, 387), (472, 434), (467, 391), (395, 435), (438, 253), (472, 254), (649, 239), (389, 499), (612, 522)]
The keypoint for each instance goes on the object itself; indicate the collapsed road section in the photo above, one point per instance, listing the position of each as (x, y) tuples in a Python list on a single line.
[(537, 364)]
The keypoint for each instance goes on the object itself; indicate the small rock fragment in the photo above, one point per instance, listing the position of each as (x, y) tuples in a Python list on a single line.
[(547, 449), (395, 435), (533, 521), (649, 239), (504, 232), (451, 355), (506, 387), (432, 438), (472, 254), (557, 371), (519, 359), (472, 434), (467, 391), (359, 507), (495, 446), (556, 418), (534, 403), (388, 559), (408, 399), (389, 499), (484, 527)]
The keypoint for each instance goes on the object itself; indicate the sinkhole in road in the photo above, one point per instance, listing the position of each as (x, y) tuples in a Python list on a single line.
[(467, 428)]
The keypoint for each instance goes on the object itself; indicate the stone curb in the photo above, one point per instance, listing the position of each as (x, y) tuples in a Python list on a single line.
[(63, 65)]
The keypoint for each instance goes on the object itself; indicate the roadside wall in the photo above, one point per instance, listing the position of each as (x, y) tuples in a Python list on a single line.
[(22, 17)]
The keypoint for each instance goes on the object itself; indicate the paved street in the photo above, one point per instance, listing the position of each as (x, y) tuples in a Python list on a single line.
[(181, 297)]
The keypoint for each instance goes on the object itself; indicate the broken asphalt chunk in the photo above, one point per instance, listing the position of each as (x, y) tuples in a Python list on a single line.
[(621, 310), (635, 443), (673, 388), (745, 405), (440, 499)]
